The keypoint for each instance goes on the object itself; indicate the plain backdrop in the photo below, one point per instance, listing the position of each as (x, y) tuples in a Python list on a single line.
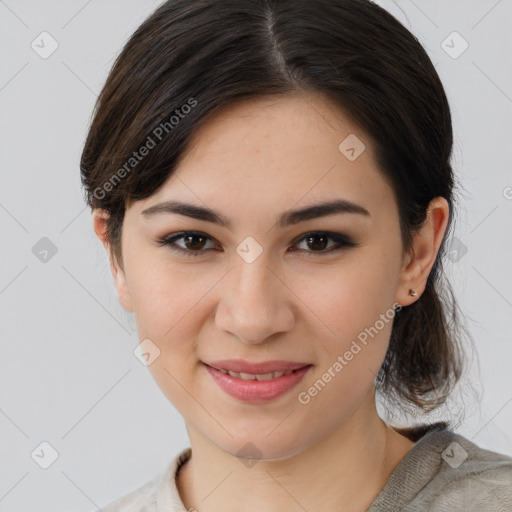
[(68, 375)]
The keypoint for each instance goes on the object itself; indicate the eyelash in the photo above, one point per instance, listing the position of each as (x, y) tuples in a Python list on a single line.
[(342, 241)]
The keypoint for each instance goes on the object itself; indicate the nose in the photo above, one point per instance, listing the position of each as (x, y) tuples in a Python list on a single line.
[(255, 302)]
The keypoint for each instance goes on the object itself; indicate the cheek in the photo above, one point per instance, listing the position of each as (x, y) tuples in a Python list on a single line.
[(169, 307), (165, 296), (353, 318), (348, 297), (351, 354)]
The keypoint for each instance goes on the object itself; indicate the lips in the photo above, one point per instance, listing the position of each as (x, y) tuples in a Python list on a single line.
[(241, 366), (257, 388)]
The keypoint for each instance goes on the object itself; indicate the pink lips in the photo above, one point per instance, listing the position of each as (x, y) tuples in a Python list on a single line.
[(255, 391)]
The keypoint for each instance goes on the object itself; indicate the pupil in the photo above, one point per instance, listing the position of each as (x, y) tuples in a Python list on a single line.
[(196, 245), (317, 246)]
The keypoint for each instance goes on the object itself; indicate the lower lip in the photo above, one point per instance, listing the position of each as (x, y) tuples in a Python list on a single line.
[(257, 391)]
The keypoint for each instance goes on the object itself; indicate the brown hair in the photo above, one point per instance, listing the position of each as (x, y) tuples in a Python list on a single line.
[(190, 59)]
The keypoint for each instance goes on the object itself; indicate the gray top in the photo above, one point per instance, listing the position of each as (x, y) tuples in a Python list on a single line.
[(442, 472)]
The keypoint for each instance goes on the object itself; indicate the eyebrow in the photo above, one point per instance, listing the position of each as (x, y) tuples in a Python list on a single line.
[(288, 218)]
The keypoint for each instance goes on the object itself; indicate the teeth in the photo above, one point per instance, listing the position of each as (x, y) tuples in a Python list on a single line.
[(259, 376), (268, 376)]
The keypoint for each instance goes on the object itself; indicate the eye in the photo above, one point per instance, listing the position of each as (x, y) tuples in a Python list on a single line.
[(319, 242), (195, 242)]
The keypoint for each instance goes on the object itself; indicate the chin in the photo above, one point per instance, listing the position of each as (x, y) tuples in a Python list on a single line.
[(260, 446)]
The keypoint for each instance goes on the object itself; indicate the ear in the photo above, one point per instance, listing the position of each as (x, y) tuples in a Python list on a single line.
[(426, 242), (100, 218)]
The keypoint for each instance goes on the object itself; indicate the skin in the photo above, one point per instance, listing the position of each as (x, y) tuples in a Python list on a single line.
[(252, 162)]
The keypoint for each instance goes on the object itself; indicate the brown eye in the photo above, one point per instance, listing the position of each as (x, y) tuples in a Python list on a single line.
[(193, 243), (318, 242)]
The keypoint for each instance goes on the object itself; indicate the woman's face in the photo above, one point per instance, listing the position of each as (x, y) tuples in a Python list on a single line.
[(257, 287)]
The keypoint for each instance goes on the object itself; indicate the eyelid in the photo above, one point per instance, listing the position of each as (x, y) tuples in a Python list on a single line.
[(337, 237), (169, 240), (342, 242)]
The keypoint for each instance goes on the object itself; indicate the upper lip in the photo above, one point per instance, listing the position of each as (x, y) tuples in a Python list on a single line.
[(241, 366)]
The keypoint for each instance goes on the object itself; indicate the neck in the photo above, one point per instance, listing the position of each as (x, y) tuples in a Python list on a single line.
[(350, 467)]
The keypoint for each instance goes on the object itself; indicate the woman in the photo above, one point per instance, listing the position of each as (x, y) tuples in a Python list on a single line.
[(271, 180)]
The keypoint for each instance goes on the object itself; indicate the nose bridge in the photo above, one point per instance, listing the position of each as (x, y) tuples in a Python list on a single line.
[(254, 284), (254, 301)]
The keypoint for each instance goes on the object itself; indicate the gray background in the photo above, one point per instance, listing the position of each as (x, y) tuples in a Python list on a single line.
[(68, 375)]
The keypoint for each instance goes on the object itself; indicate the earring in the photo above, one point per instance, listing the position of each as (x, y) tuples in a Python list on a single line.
[(413, 293)]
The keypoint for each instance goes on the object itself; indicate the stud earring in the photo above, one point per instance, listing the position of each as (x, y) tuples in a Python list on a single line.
[(413, 293)]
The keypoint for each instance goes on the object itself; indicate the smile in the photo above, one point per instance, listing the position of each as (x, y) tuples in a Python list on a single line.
[(257, 376), (256, 388)]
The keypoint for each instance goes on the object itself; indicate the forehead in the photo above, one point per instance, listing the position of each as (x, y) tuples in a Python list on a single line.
[(272, 153), (288, 126)]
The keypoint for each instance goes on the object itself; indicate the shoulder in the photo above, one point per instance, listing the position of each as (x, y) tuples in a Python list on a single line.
[(446, 472), (467, 477), (142, 499), (159, 493)]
